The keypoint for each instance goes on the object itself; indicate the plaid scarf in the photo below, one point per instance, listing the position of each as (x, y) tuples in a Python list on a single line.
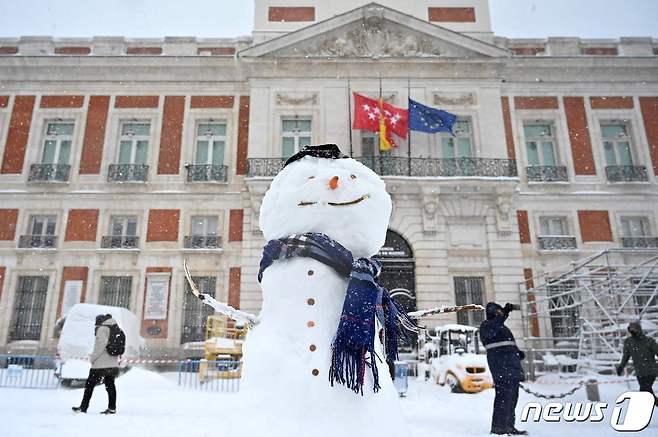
[(353, 348)]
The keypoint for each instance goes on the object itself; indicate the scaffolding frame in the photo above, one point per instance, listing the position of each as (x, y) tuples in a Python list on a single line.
[(575, 318)]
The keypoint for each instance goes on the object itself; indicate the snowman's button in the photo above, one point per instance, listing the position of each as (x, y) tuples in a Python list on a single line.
[(311, 301), (315, 372), (311, 272), (310, 323), (312, 347)]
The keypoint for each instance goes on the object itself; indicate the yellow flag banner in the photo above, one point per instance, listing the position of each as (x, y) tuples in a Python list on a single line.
[(385, 142)]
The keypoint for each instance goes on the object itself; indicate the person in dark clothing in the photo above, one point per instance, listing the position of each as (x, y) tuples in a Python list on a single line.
[(104, 367), (504, 359), (643, 350)]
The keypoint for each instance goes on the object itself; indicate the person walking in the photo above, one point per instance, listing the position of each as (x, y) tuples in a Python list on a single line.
[(643, 350), (104, 366), (504, 359)]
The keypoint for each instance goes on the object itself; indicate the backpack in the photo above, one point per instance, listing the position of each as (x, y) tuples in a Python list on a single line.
[(116, 343)]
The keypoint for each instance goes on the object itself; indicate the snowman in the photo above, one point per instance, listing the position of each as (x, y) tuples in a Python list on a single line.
[(318, 358)]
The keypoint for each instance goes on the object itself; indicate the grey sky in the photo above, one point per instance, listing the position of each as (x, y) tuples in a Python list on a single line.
[(229, 18)]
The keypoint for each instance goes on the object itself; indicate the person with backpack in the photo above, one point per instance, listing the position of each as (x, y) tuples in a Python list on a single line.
[(109, 344)]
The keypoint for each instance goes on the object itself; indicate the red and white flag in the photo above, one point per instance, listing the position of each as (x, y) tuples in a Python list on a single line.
[(369, 113)]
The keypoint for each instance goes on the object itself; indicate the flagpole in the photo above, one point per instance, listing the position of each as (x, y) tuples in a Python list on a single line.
[(408, 129), (349, 112), (381, 109)]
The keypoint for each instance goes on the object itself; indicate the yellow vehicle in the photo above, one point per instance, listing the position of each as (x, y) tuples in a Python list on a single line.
[(222, 348)]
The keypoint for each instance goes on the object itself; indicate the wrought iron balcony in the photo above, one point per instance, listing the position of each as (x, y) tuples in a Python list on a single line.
[(49, 173), (626, 173), (206, 173), (547, 173), (202, 242), (128, 173), (119, 242), (413, 167), (639, 242), (557, 243), (37, 241)]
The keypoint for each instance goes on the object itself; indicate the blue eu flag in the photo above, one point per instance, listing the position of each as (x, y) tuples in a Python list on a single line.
[(425, 119)]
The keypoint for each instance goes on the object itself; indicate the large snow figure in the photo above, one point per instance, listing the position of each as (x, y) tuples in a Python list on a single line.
[(288, 354)]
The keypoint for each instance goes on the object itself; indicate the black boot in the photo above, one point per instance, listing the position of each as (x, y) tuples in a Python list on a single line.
[(108, 411), (514, 431), (78, 410), (497, 432)]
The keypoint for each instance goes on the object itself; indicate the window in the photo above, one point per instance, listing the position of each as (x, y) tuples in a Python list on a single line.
[(115, 291), (204, 225), (295, 134), (134, 143), (564, 312), (540, 144), (617, 143), (123, 233), (459, 145), (210, 143), (195, 312), (29, 308), (553, 226), (57, 142), (42, 225), (635, 227), (369, 144), (469, 290)]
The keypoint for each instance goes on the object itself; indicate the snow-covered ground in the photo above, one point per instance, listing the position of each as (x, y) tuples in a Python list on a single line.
[(152, 404)]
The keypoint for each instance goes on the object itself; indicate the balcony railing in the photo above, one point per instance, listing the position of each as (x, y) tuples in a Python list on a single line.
[(414, 167), (37, 241), (49, 173), (128, 173), (119, 242), (202, 242), (206, 173), (639, 242), (626, 173), (547, 173), (557, 243)]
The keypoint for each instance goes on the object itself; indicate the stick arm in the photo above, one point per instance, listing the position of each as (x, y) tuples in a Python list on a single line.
[(444, 309), (220, 307)]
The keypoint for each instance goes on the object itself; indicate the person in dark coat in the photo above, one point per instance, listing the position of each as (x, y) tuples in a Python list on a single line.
[(504, 359), (104, 367), (643, 350)]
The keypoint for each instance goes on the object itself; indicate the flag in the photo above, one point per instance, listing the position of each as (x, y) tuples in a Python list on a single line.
[(379, 116), (425, 119)]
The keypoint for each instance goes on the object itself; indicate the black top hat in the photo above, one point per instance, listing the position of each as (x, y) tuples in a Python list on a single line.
[(328, 151)]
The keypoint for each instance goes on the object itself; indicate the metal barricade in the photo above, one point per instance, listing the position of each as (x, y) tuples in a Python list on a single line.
[(29, 371), (220, 375)]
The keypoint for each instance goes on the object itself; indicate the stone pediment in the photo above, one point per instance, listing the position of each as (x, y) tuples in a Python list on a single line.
[(374, 31)]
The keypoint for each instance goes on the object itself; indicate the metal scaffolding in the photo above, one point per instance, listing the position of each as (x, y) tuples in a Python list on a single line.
[(575, 319)]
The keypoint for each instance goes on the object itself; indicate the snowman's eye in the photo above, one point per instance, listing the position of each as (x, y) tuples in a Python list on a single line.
[(353, 176), (311, 177)]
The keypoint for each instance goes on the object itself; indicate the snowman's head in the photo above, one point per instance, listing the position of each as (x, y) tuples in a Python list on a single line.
[(340, 198)]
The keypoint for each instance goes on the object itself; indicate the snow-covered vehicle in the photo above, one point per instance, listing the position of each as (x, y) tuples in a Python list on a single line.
[(76, 340), (456, 359)]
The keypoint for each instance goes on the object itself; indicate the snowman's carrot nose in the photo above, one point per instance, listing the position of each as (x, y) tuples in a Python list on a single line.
[(333, 183)]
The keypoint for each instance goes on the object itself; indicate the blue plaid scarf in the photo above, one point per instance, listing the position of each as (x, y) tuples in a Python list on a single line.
[(354, 345)]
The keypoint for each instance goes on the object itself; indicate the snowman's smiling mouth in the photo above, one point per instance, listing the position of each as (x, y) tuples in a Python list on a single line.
[(351, 202)]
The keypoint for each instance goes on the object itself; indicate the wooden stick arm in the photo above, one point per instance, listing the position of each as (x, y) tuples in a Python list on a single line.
[(445, 309), (220, 307)]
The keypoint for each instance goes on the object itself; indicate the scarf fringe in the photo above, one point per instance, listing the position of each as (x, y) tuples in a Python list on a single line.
[(348, 368)]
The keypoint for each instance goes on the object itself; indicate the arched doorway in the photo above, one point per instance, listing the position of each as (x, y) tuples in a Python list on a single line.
[(399, 274)]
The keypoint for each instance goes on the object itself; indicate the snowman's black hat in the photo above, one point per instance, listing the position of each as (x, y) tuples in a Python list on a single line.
[(328, 151)]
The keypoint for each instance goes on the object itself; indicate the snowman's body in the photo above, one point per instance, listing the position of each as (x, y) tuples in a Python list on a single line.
[(287, 356)]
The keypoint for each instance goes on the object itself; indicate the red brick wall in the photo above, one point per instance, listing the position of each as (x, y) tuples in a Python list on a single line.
[(8, 220), (8, 50), (162, 324), (72, 274), (649, 107), (92, 147), (136, 101), (535, 102), (581, 145), (4, 101), (212, 102), (235, 225), (61, 101), (144, 50), (72, 50), (611, 102), (289, 14), (172, 135), (82, 225), (600, 51), (509, 135), (243, 136), (528, 51), (524, 226), (234, 287), (163, 225), (19, 131), (594, 226), (216, 51), (529, 283), (451, 15)]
